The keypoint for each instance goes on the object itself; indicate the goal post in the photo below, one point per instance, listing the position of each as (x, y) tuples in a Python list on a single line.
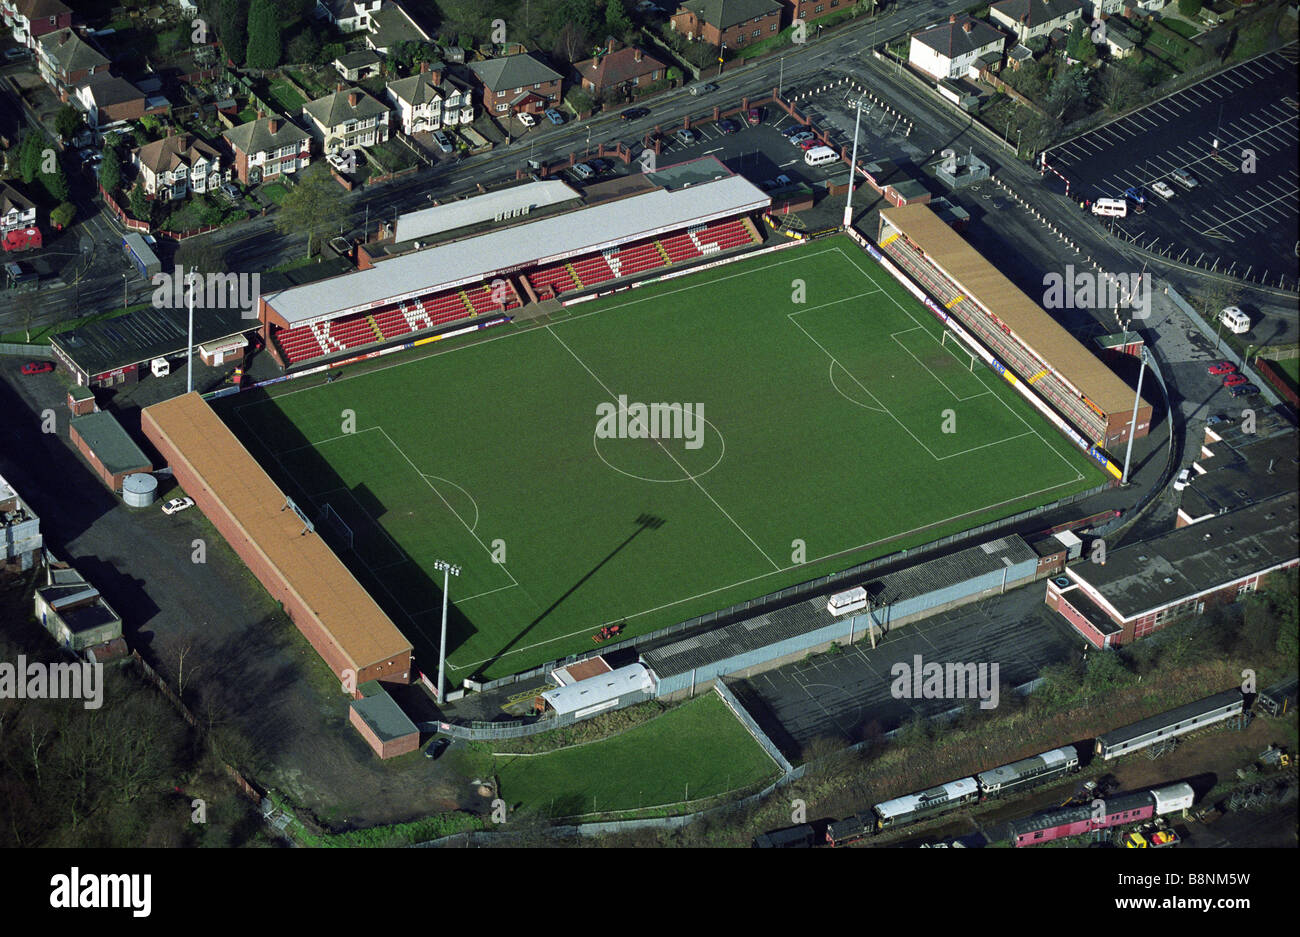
[(329, 515)]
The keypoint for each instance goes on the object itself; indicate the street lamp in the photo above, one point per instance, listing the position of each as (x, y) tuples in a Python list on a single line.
[(189, 351), (124, 276), (447, 570)]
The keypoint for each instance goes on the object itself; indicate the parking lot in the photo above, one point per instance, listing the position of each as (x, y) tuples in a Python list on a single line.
[(1236, 220)]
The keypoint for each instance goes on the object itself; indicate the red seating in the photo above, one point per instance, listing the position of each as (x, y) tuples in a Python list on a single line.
[(593, 270), (298, 344), (680, 247)]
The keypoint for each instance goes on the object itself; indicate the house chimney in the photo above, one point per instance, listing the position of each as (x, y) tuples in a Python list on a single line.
[(273, 125), (435, 77), (952, 18), (424, 67), (260, 113), (353, 98), (636, 55), (967, 26), (339, 87)]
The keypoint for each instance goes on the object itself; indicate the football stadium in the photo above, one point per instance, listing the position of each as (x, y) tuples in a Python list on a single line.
[(833, 424)]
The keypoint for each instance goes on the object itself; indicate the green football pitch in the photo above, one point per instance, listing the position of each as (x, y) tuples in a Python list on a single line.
[(835, 426)]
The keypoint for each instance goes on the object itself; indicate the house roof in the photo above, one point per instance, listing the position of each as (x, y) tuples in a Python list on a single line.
[(107, 90), (335, 109), (391, 24), (618, 66), (727, 13), (69, 51), (1036, 12), (256, 136), (953, 40), (513, 71), (40, 9), (359, 59), (12, 200), (166, 154), (415, 89)]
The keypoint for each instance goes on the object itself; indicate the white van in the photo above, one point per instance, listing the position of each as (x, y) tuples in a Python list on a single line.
[(820, 156), (1115, 207), (1236, 320)]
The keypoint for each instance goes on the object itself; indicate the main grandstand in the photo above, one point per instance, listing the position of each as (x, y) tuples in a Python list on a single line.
[(681, 213), (1011, 325)]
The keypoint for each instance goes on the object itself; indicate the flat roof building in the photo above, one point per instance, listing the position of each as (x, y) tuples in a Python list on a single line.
[(109, 449), (1144, 586)]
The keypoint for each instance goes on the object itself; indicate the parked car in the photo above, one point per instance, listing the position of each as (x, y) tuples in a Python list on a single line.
[(554, 116), (1216, 420), (437, 747), (1134, 195), (1184, 178), (1183, 478), (1223, 367), (441, 138), (754, 115), (527, 119), (229, 191), (38, 367), (704, 88), (783, 180), (685, 136), (809, 143), (1162, 189), (728, 126), (767, 185), (793, 129), (1233, 380), (177, 504), (1244, 390), (634, 113), (584, 172), (601, 165), (801, 136)]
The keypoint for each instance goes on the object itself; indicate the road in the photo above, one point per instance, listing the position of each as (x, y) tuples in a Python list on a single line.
[(257, 245)]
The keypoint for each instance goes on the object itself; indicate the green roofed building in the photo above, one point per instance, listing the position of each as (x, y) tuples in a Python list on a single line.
[(382, 723), (111, 452)]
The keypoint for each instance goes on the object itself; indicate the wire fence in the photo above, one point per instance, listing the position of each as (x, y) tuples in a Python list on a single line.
[(1222, 349)]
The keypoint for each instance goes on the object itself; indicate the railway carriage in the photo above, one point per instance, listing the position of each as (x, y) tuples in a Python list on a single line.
[(914, 807), (1194, 716), (1028, 771)]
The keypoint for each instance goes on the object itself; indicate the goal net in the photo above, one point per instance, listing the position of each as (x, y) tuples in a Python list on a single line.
[(331, 517)]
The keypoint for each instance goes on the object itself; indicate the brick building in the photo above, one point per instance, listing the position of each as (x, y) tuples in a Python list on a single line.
[(1145, 586), (733, 23), (108, 448)]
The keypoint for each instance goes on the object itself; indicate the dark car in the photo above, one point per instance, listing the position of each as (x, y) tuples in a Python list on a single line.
[(728, 126), (1244, 390), (600, 164), (632, 113), (38, 367), (754, 115), (437, 747), (792, 130)]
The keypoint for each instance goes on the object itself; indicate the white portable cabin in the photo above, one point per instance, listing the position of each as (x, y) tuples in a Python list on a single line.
[(1173, 799), (852, 600), (1116, 207)]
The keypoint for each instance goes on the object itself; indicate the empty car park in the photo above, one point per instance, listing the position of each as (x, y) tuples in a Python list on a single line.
[(1222, 155)]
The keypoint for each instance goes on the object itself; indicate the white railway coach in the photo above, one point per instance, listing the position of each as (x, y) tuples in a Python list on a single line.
[(1173, 799), (916, 806), (1194, 716)]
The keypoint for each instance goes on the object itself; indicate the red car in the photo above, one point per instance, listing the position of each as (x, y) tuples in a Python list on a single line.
[(809, 144), (1223, 367), (38, 367), (1232, 380)]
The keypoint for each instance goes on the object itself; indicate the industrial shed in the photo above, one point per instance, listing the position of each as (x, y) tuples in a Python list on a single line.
[(109, 449), (897, 598), (331, 609), (73, 611)]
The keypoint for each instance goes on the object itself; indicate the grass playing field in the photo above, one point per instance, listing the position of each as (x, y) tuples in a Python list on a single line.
[(698, 749), (836, 427)]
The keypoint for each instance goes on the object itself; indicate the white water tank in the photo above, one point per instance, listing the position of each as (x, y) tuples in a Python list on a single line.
[(139, 490)]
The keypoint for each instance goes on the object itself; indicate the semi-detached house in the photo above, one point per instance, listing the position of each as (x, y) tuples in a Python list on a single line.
[(950, 49), (517, 83), (345, 119), (733, 23), (1028, 19), (268, 147), (31, 19)]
